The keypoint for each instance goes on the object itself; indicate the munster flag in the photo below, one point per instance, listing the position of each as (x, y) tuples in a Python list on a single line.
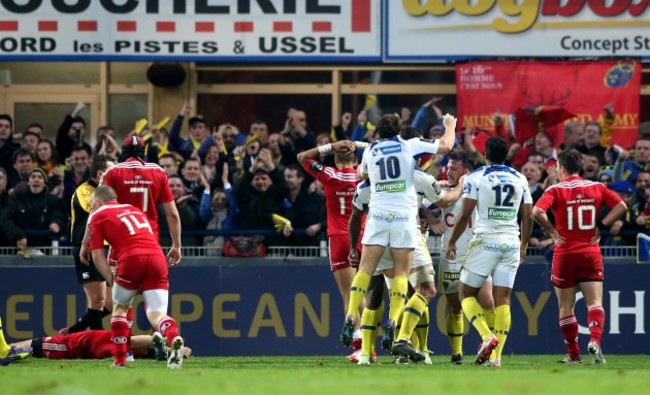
[(529, 121)]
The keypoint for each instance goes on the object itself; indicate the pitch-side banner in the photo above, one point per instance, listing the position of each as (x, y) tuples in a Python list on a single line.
[(582, 88), (191, 30), (424, 30)]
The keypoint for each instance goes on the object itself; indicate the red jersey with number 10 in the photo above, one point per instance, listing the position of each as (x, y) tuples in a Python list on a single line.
[(125, 228), (576, 204), (339, 186), (141, 184)]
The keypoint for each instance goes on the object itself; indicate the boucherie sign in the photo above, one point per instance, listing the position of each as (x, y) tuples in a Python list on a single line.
[(199, 30)]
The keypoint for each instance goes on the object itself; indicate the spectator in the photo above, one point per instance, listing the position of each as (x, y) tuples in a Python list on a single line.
[(574, 136), (77, 171), (47, 158), (23, 162), (300, 207), (606, 176), (30, 142), (544, 144), (4, 198), (188, 210), (36, 128), (210, 159), (628, 168), (593, 136), (169, 164), (259, 194), (260, 128), (623, 231), (71, 134), (296, 127), (219, 213), (537, 159), (590, 166), (198, 133), (640, 185), (33, 209), (7, 148), (106, 144), (191, 177), (533, 174)]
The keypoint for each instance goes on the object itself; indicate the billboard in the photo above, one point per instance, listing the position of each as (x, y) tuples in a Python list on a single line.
[(295, 309), (185, 30), (437, 30)]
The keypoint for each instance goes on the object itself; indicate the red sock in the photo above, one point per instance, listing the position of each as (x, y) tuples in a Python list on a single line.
[(596, 319), (569, 329), (167, 327), (129, 320), (120, 336), (356, 344)]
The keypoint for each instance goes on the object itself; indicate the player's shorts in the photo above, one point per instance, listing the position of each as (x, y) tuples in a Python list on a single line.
[(570, 269), (143, 272), (339, 249), (85, 274), (395, 230), (421, 257), (496, 255), (449, 275)]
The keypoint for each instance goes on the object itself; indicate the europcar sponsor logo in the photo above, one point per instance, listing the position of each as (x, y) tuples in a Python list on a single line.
[(391, 186), (501, 214)]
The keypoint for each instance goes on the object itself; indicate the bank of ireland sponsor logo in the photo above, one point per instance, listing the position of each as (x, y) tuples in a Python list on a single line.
[(391, 186), (502, 213)]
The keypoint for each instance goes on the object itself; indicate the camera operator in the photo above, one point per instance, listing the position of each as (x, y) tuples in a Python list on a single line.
[(72, 133)]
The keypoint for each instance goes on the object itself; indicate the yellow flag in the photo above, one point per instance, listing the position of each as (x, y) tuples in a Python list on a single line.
[(140, 125)]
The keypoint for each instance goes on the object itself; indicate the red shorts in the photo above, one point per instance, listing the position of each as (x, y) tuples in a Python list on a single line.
[(570, 269), (339, 246), (143, 273), (80, 345)]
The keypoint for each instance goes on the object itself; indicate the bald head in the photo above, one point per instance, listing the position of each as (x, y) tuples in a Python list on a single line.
[(104, 194)]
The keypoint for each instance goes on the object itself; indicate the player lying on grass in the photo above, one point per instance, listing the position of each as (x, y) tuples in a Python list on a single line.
[(96, 344)]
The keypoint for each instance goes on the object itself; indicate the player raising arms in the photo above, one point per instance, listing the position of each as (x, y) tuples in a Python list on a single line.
[(339, 184), (389, 164), (498, 193), (577, 260), (142, 268)]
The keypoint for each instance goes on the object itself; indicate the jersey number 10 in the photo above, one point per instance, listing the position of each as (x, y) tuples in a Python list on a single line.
[(582, 213)]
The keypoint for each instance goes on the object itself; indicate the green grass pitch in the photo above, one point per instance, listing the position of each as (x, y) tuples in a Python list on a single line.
[(624, 374)]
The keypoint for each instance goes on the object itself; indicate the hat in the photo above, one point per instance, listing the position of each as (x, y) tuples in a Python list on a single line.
[(607, 172), (132, 142), (622, 187), (196, 119), (437, 127), (38, 170)]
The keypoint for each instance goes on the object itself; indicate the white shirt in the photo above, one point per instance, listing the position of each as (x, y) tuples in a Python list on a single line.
[(499, 191), (390, 167)]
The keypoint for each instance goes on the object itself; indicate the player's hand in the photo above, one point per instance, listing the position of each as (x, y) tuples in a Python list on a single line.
[(344, 146), (451, 252), (522, 255), (557, 239), (353, 257), (438, 228), (596, 238), (312, 230), (174, 256), (84, 255)]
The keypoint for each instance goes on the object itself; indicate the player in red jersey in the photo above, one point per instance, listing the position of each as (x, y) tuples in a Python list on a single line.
[(577, 260), (145, 185), (142, 268), (339, 184)]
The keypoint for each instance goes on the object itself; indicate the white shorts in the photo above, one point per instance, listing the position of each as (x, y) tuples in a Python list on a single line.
[(421, 257), (449, 275), (496, 255), (394, 230)]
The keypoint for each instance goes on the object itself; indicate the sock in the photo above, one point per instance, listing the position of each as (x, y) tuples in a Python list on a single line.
[(378, 316), (4, 347), (422, 329), (502, 321), (357, 292), (569, 329), (120, 337), (455, 330), (167, 327), (596, 319), (81, 324), (105, 312), (95, 319), (368, 331), (412, 315), (129, 321), (490, 317), (476, 316), (398, 298)]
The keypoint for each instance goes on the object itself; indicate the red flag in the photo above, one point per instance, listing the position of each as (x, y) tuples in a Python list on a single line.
[(529, 121)]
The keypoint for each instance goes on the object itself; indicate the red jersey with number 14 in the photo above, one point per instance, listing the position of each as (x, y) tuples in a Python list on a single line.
[(141, 184), (339, 190), (125, 228), (576, 204)]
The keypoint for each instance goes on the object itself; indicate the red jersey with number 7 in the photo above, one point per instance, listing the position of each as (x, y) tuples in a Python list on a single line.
[(125, 228), (141, 184), (339, 186), (576, 204)]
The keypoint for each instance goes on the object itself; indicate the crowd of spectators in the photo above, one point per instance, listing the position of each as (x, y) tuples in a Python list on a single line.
[(228, 181)]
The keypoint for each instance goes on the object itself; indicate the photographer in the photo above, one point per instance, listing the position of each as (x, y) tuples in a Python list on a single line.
[(296, 127), (72, 133)]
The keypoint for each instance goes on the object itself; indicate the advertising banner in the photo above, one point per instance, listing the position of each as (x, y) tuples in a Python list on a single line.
[(199, 30), (582, 88), (296, 310), (425, 30)]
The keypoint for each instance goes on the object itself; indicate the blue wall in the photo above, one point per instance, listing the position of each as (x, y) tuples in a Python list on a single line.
[(296, 310)]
